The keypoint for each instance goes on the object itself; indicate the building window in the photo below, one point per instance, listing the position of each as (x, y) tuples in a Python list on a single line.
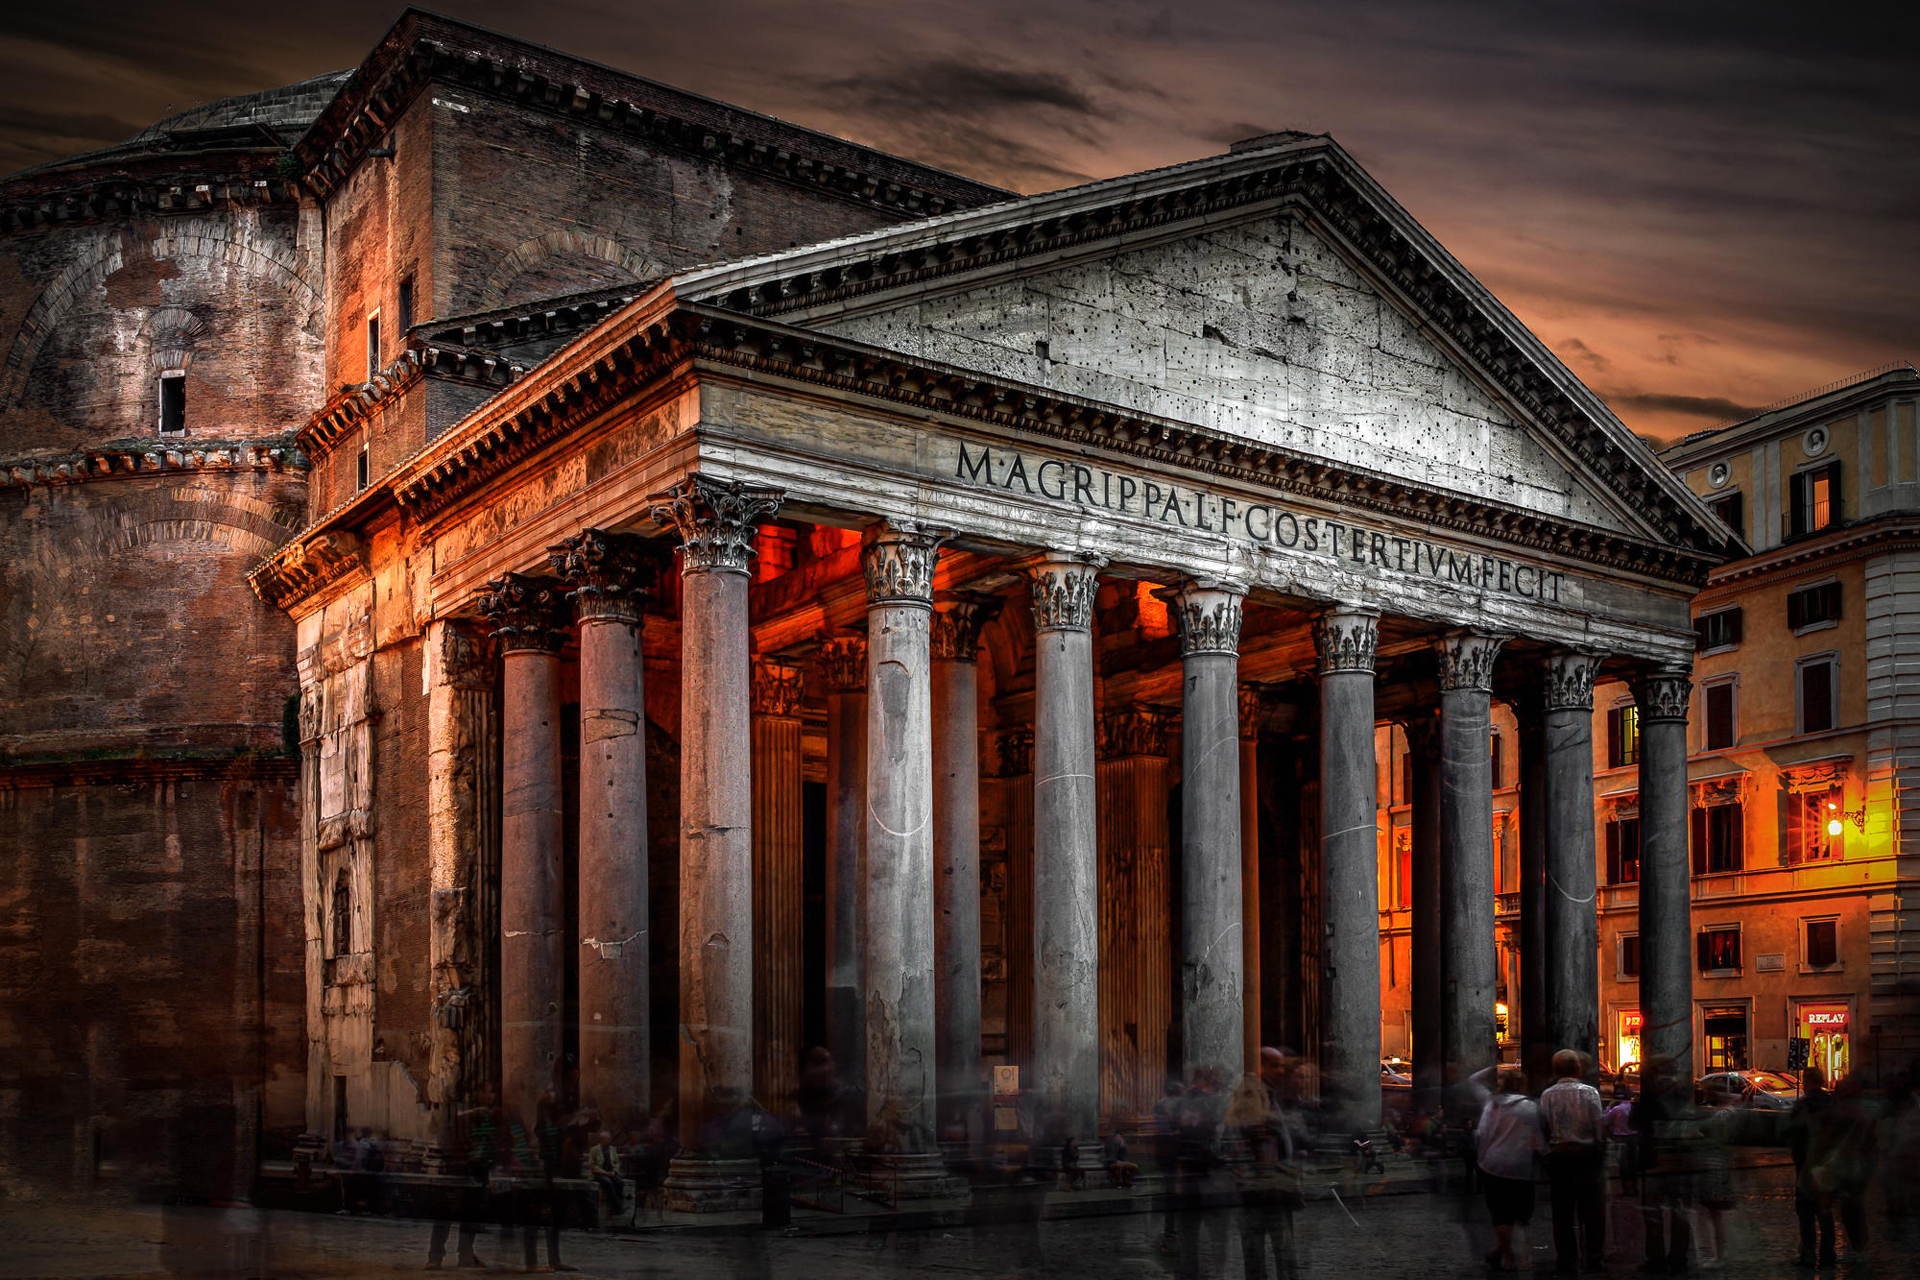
[(1719, 950), (1403, 869), (1623, 851), (1814, 606), (362, 468), (1815, 500), (1720, 719), (342, 922), (1716, 839), (1719, 630), (1724, 1028), (173, 402), (403, 306), (373, 345), (1820, 943), (1406, 777), (1629, 955), (1493, 757), (1817, 692), (1732, 512), (1623, 736), (1815, 820)]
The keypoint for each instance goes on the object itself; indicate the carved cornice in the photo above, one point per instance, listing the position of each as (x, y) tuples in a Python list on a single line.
[(528, 614), (362, 402), (1319, 179), (1013, 753), (152, 457), (1345, 639), (1134, 730), (1567, 680), (1208, 616), (843, 662), (124, 196), (715, 520), (1466, 660), (899, 564), (958, 619), (1063, 590), (1662, 694), (611, 574), (1730, 788), (363, 114), (303, 569), (778, 688), (1821, 775)]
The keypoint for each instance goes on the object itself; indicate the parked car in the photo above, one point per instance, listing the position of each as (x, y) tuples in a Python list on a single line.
[(1756, 1090)]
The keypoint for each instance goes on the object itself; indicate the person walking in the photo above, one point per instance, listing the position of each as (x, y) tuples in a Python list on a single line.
[(1667, 1161), (1507, 1144), (1576, 1157), (541, 1206), (472, 1145), (1621, 1137), (1839, 1168)]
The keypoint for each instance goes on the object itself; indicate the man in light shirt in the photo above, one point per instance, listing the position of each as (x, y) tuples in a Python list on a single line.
[(1576, 1156)]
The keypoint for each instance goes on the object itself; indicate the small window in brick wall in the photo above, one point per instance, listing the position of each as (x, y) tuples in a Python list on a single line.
[(403, 307), (373, 345), (1823, 944), (1629, 955), (173, 403), (362, 469)]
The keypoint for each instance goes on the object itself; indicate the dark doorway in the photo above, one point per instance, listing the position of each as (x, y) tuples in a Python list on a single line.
[(813, 914)]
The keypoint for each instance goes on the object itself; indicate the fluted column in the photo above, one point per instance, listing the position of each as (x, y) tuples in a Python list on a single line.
[(1466, 859), (715, 522), (1066, 1029), (530, 623), (956, 855), (1250, 963), (1572, 996), (1212, 1008), (843, 661), (1427, 959), (899, 565), (1344, 642), (1666, 942), (777, 891), (611, 577), (1136, 941)]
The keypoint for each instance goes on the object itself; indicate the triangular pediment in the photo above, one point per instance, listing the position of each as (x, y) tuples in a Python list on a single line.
[(1279, 297)]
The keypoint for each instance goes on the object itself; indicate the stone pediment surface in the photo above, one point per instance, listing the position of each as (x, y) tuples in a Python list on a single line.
[(1260, 331), (1276, 295)]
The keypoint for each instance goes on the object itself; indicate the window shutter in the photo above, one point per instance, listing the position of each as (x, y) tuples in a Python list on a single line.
[(1697, 829), (1735, 624), (1791, 840), (1830, 601), (1702, 953), (1613, 739), (1736, 837), (1613, 853), (1797, 504), (1796, 610), (1699, 633), (1816, 697), (1833, 493), (1719, 716)]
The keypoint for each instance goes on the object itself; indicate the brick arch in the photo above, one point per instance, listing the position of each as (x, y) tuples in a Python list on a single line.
[(98, 261), (234, 537), (565, 243), (224, 240)]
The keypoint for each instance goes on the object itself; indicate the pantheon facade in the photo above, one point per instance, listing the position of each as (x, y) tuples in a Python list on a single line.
[(942, 626)]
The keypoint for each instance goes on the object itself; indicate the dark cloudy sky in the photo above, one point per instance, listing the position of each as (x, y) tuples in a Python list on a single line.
[(1701, 206)]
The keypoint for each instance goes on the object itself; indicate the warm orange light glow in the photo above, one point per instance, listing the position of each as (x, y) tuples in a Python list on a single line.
[(1833, 826)]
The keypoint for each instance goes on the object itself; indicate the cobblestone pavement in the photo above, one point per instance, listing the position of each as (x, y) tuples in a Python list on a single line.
[(1376, 1238)]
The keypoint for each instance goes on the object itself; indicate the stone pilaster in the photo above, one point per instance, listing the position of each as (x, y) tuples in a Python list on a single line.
[(1427, 961), (1213, 1009), (463, 798), (1136, 902), (843, 667), (1066, 893), (715, 523), (1344, 642), (611, 576), (1466, 843), (778, 944), (530, 623), (1666, 929), (900, 1142), (1250, 710), (1572, 950), (956, 626)]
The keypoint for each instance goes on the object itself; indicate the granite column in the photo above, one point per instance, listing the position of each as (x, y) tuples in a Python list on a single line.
[(1666, 929), (1466, 841), (843, 661), (777, 892), (1250, 963), (1572, 943), (1428, 959)]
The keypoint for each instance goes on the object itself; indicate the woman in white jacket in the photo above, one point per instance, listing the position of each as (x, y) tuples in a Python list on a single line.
[(1507, 1145)]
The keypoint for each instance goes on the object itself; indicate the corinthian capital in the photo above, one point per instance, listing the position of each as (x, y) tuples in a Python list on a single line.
[(1567, 680), (1466, 660), (527, 613), (899, 564), (1662, 693), (1063, 590), (1208, 613), (1344, 639), (843, 660), (777, 688), (610, 573), (715, 520), (957, 622)]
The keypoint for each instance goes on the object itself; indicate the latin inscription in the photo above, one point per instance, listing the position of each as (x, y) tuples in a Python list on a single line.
[(1263, 524)]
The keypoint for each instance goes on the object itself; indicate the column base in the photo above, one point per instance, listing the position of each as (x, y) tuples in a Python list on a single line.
[(920, 1175), (710, 1184)]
